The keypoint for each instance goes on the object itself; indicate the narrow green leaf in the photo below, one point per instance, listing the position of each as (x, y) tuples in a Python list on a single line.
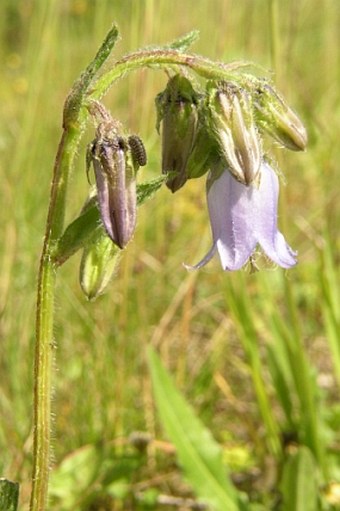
[(9, 495), (77, 233), (279, 370), (184, 42), (74, 100), (299, 482), (198, 453), (148, 189), (329, 278)]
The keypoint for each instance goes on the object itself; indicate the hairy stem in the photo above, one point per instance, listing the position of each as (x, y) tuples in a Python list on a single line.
[(44, 321), (73, 122), (165, 58)]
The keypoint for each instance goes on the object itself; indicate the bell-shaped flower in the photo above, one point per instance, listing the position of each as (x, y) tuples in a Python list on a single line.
[(242, 217)]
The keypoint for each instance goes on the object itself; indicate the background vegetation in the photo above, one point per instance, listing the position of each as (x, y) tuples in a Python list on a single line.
[(224, 337)]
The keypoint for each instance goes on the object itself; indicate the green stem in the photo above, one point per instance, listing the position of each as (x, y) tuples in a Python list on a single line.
[(166, 58), (44, 321), (73, 123)]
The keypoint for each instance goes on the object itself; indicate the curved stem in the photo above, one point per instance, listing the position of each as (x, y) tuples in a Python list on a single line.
[(165, 58), (44, 321), (73, 122)]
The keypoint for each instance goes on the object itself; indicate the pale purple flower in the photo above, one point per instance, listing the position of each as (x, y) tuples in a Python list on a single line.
[(242, 217)]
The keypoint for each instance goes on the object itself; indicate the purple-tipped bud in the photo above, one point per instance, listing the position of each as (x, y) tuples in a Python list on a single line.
[(276, 118), (231, 123), (114, 164), (177, 110)]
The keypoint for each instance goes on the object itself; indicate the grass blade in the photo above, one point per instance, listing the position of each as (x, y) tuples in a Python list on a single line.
[(199, 454), (299, 482)]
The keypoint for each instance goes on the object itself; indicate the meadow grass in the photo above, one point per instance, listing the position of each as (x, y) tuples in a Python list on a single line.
[(257, 355)]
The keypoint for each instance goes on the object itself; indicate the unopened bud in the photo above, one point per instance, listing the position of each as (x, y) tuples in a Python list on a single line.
[(276, 118), (177, 110), (231, 121), (99, 262), (115, 160)]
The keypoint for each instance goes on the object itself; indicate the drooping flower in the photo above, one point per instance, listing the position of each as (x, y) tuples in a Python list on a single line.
[(242, 217), (115, 160)]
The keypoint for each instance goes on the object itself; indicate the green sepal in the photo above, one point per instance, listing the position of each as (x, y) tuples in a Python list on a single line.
[(204, 153)]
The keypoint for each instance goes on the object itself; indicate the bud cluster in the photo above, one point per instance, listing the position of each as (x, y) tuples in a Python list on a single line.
[(217, 129), (223, 123)]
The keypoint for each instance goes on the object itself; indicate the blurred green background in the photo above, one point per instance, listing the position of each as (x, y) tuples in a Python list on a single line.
[(102, 389)]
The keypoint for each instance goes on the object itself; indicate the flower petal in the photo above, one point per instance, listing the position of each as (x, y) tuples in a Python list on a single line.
[(265, 213), (242, 216), (203, 261), (103, 197), (229, 205)]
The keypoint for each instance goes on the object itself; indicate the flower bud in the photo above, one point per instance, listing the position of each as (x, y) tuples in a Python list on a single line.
[(115, 161), (231, 121), (276, 118), (99, 262), (177, 110)]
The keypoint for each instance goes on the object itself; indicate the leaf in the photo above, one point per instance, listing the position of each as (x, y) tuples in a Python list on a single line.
[(77, 233), (9, 495), (77, 93), (299, 482), (183, 43), (198, 453), (148, 189)]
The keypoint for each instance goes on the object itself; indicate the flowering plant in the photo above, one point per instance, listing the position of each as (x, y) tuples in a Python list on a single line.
[(215, 129)]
